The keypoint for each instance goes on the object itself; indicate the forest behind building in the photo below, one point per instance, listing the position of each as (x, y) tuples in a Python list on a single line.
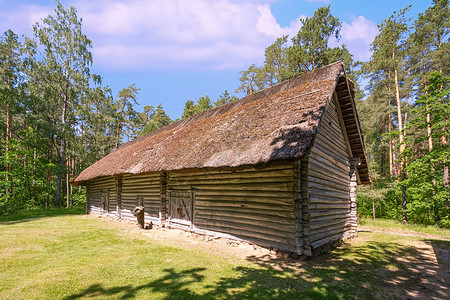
[(57, 117)]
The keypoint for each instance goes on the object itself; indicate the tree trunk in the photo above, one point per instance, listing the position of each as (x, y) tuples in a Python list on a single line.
[(404, 213), (61, 162), (445, 176), (401, 170), (390, 127), (67, 181), (8, 138), (383, 147), (399, 116), (430, 139), (391, 154), (373, 208)]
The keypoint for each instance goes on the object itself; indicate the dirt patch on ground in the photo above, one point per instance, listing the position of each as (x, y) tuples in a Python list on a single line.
[(188, 240), (403, 233)]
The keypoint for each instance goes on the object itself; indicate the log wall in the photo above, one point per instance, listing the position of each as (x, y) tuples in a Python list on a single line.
[(328, 177), (141, 190), (257, 205), (103, 187)]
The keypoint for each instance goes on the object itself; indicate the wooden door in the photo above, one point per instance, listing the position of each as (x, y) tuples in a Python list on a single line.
[(104, 200), (180, 208)]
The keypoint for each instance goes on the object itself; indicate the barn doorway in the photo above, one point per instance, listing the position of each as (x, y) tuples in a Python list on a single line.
[(104, 200), (181, 208)]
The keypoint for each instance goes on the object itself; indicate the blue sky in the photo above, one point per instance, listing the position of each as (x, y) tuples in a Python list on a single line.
[(178, 50)]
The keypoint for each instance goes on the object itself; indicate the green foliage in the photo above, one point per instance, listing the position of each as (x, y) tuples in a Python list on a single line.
[(204, 103), (427, 190), (152, 119), (190, 108), (225, 98), (310, 47), (251, 80), (276, 64), (426, 182), (309, 50), (384, 195)]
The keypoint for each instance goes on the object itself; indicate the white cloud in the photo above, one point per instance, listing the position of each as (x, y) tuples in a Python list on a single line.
[(140, 34), (220, 34), (358, 36)]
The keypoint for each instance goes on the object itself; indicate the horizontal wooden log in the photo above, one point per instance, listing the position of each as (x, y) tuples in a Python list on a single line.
[(314, 167), (219, 185), (263, 175), (260, 242), (332, 134), (279, 194), (245, 199), (321, 226), (330, 154), (251, 223), (245, 234), (103, 180), (327, 212), (315, 199), (328, 183), (331, 169), (233, 180), (340, 189), (233, 213), (332, 195), (140, 176), (140, 193), (263, 211), (328, 143), (205, 171), (327, 240), (331, 232), (322, 176), (323, 206), (329, 157), (239, 204)]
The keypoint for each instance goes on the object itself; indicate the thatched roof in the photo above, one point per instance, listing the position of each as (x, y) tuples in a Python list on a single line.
[(278, 123)]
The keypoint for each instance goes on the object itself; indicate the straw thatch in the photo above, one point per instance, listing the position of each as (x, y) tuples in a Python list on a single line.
[(278, 123)]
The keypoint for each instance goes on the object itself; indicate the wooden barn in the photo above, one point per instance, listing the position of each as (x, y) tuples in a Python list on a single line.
[(277, 168)]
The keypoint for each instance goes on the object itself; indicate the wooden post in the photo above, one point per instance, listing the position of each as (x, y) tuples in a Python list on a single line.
[(298, 208), (353, 209), (119, 195), (163, 197), (88, 198), (192, 212), (306, 218)]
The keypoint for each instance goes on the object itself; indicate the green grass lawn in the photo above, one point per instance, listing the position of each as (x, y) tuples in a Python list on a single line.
[(46, 255)]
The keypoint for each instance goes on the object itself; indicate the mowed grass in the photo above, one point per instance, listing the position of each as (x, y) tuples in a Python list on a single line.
[(74, 256)]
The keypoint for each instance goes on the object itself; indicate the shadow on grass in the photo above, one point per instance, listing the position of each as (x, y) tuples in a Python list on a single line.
[(373, 270), (174, 285), (30, 215)]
